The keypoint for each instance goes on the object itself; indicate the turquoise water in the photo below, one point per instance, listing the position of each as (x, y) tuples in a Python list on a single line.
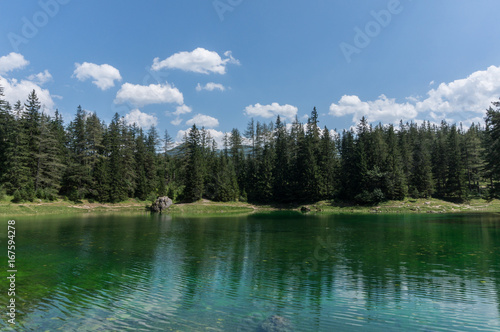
[(320, 273)]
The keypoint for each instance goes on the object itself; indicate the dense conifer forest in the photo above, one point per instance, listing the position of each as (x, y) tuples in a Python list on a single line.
[(41, 157)]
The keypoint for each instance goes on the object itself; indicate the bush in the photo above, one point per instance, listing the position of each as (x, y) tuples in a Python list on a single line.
[(374, 197), (18, 196), (152, 197), (2, 193), (76, 196), (40, 193)]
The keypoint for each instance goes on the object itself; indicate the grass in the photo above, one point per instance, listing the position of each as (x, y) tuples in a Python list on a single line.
[(40, 207), (408, 206), (205, 207)]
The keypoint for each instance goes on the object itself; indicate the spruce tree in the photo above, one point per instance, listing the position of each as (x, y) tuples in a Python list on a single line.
[(455, 175), (194, 168), (493, 149), (281, 185), (17, 175)]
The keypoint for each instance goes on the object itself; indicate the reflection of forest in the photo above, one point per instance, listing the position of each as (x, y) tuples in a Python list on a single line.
[(189, 273)]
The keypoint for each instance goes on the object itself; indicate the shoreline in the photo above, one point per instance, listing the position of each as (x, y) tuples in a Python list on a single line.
[(408, 206)]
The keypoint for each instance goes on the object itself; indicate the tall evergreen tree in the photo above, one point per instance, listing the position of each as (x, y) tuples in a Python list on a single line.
[(396, 188), (17, 175), (493, 148), (281, 185), (455, 175), (194, 168)]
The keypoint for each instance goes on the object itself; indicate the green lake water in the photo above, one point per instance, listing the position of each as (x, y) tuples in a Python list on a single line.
[(321, 273)]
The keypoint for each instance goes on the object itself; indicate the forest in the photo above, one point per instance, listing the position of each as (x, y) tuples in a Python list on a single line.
[(270, 163)]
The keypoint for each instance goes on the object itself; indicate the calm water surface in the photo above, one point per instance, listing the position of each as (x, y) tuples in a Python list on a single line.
[(321, 273)]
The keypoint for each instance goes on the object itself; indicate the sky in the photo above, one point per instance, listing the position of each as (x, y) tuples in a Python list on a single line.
[(219, 63)]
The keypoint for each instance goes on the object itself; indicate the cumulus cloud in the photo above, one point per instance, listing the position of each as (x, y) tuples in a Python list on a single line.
[(41, 78), (461, 100), (141, 95), (202, 120), (269, 111), (471, 94), (211, 86), (180, 110), (11, 62), (218, 136), (199, 61), (183, 109), (382, 109), (141, 119), (176, 122), (104, 76), (15, 90)]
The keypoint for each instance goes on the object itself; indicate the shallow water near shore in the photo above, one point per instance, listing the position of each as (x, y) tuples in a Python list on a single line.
[(230, 273)]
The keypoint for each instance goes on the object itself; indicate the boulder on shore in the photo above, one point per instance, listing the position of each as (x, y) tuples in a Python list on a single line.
[(161, 203)]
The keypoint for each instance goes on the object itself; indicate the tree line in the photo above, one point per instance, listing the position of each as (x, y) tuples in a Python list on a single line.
[(41, 157)]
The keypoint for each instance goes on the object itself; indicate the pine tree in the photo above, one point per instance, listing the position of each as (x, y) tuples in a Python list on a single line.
[(396, 188), (440, 159), (141, 185), (225, 180), (118, 187), (17, 176), (194, 168), (281, 185), (421, 182), (237, 155), (473, 158), (493, 148), (6, 124), (31, 121), (327, 165), (455, 176), (78, 176)]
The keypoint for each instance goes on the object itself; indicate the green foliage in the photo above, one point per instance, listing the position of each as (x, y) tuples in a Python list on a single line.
[(2, 193), (41, 158)]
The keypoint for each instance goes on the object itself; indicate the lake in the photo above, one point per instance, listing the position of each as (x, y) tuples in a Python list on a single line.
[(318, 273)]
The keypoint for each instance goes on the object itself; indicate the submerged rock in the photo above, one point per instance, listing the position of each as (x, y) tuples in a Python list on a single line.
[(275, 323), (161, 203)]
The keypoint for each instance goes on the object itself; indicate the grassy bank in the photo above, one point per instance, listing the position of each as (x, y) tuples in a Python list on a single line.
[(410, 206), (205, 207)]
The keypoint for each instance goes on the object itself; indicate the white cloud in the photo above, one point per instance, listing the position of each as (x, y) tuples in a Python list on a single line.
[(269, 111), (141, 119), (11, 62), (41, 78), (202, 120), (211, 86), (180, 110), (218, 136), (104, 76), (383, 109), (458, 101), (176, 122), (472, 94), (199, 61), (141, 95), (15, 90), (183, 109)]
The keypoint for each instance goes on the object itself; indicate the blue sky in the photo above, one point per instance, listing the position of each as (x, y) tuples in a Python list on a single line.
[(387, 60)]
